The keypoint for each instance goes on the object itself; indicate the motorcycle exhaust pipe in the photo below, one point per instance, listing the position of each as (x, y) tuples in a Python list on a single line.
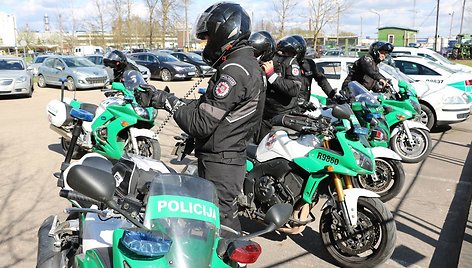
[(48, 254), (62, 132)]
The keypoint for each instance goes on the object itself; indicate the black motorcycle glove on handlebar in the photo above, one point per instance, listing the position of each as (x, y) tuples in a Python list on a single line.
[(164, 100), (144, 96)]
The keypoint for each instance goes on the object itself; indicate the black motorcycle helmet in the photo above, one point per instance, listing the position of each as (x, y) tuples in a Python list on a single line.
[(223, 25), (263, 44), (378, 46), (115, 60), (290, 46), (302, 47)]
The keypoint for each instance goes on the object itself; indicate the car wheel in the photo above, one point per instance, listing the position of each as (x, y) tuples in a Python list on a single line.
[(166, 76), (29, 94), (70, 84), (41, 81), (427, 117)]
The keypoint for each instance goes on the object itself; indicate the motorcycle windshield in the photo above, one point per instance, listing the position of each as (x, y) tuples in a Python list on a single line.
[(132, 79), (184, 208), (361, 94)]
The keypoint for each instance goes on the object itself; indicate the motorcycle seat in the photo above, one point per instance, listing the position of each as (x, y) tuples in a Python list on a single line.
[(89, 107), (251, 150)]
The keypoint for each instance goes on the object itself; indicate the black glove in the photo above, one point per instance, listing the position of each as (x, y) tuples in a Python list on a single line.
[(165, 100), (144, 95)]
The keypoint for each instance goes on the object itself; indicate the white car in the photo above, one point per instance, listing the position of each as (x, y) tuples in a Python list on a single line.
[(431, 55), (421, 69), (440, 104), (15, 79)]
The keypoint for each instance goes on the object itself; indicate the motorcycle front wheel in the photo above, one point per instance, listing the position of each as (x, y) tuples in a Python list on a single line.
[(415, 152), (146, 147), (388, 180), (373, 239)]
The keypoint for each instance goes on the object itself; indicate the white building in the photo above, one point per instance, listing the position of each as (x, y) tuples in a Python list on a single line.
[(7, 30)]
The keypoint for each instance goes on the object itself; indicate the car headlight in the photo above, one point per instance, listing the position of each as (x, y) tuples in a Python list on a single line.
[(178, 68), (205, 67), (141, 111), (21, 79), (455, 99), (362, 160)]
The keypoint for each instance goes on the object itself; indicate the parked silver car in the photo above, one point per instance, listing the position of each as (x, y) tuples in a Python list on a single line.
[(14, 78), (98, 60), (33, 66), (79, 72)]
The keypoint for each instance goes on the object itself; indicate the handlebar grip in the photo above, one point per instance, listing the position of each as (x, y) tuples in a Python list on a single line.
[(297, 123), (78, 197)]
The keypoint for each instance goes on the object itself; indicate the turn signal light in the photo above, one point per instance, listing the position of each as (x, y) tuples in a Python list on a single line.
[(124, 123), (330, 168), (401, 117)]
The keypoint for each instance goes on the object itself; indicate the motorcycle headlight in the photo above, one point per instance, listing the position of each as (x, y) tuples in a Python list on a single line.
[(416, 105), (141, 111), (144, 244), (362, 160), (454, 100)]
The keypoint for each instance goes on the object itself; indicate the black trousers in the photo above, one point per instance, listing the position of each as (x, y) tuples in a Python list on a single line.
[(266, 127), (228, 179)]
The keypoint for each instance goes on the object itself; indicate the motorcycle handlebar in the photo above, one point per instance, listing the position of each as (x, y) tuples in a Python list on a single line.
[(297, 123), (72, 195)]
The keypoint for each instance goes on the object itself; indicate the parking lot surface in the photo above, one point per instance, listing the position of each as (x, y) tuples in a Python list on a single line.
[(431, 211)]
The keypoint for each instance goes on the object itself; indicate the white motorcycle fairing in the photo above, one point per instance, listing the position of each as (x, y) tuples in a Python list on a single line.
[(382, 152), (410, 124)]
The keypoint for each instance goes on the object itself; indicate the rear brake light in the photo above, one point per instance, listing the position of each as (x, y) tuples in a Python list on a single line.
[(468, 82), (246, 252)]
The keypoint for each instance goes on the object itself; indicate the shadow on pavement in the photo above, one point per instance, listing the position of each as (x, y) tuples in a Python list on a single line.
[(57, 148)]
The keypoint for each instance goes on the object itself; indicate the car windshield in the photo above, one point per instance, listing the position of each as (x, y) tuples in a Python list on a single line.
[(39, 59), (441, 58), (78, 62), (395, 73), (11, 65), (194, 56), (184, 208), (440, 66), (167, 58)]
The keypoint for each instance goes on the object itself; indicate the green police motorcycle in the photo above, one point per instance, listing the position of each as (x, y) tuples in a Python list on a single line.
[(162, 219), (120, 123)]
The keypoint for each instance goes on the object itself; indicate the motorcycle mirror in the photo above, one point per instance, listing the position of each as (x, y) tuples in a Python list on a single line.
[(388, 109), (278, 214), (167, 89), (341, 111), (356, 106), (92, 182)]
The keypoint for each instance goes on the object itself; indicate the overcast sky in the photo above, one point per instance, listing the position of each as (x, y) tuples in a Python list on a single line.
[(360, 18)]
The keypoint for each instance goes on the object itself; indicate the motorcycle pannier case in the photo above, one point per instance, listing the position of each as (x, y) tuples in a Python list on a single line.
[(59, 113)]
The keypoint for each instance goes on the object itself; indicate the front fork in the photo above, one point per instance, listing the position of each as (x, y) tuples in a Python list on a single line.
[(338, 184), (411, 142)]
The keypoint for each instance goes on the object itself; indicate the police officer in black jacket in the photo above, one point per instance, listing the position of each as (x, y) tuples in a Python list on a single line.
[(225, 117), (119, 63), (283, 75), (365, 69), (309, 71)]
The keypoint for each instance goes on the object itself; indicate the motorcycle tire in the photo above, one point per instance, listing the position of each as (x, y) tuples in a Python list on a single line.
[(147, 147), (390, 179), (399, 144), (375, 224), (77, 154)]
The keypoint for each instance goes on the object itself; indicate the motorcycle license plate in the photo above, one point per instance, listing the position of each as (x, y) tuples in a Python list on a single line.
[(191, 73)]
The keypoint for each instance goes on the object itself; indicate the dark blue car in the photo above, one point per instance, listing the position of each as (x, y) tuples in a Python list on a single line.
[(165, 66)]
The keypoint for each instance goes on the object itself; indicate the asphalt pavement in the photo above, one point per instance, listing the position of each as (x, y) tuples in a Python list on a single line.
[(434, 226)]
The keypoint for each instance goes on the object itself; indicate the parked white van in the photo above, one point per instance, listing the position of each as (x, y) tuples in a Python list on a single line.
[(430, 55), (87, 50)]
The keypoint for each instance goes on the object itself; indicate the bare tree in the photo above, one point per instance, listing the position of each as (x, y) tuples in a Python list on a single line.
[(117, 15), (151, 5), (102, 20), (165, 8), (28, 36), (323, 12), (129, 32), (283, 10)]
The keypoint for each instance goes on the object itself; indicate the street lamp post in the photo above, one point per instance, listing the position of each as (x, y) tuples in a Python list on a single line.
[(378, 21), (450, 27)]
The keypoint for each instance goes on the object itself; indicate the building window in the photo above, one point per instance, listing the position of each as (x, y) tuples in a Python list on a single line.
[(391, 38)]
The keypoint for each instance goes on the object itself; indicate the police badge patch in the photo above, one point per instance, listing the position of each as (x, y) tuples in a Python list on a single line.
[(221, 89), (295, 71)]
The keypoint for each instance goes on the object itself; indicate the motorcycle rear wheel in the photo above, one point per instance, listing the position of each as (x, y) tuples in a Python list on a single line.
[(374, 240), (390, 175), (77, 154), (412, 154)]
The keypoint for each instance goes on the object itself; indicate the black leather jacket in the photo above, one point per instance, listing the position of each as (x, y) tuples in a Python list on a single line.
[(366, 72), (227, 115), (310, 72)]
